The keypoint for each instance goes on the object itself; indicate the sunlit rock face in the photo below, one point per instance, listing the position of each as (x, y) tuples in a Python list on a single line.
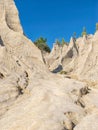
[(18, 56), (9, 15), (33, 98), (79, 58)]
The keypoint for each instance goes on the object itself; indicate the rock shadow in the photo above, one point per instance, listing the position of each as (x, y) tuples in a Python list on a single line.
[(58, 69), (1, 42)]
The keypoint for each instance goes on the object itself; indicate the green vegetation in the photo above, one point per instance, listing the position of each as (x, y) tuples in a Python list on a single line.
[(58, 42), (74, 35), (84, 33), (41, 43), (96, 26), (63, 42), (63, 72)]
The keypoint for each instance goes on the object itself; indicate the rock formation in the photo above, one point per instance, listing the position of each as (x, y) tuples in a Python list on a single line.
[(33, 98), (80, 57)]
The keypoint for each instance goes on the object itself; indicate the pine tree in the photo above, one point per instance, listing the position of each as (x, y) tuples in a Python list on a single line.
[(41, 43), (57, 42), (74, 35), (63, 42), (96, 26), (84, 33)]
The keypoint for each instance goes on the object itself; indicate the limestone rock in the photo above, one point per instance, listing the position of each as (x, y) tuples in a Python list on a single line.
[(79, 58), (88, 123), (32, 98), (9, 15)]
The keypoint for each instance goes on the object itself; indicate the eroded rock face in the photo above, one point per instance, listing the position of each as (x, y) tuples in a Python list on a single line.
[(9, 15), (54, 59), (79, 58), (32, 98), (18, 56)]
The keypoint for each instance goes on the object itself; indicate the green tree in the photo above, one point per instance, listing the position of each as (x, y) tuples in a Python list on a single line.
[(96, 26), (57, 42), (84, 33), (41, 43), (74, 35), (63, 42)]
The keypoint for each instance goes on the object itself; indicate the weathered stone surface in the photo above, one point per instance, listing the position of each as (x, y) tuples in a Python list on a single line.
[(80, 57), (85, 124), (32, 98)]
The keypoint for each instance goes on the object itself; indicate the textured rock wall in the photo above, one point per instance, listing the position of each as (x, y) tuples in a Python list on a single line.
[(32, 98), (79, 58)]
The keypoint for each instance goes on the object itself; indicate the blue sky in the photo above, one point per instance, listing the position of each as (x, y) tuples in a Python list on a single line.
[(57, 19)]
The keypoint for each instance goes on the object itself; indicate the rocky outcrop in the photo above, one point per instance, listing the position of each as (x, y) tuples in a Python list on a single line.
[(32, 98), (62, 55), (18, 56), (79, 58)]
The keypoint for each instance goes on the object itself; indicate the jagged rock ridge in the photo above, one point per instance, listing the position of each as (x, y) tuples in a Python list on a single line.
[(79, 58), (32, 98)]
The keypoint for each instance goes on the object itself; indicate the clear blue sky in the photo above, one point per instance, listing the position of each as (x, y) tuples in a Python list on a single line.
[(54, 19)]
